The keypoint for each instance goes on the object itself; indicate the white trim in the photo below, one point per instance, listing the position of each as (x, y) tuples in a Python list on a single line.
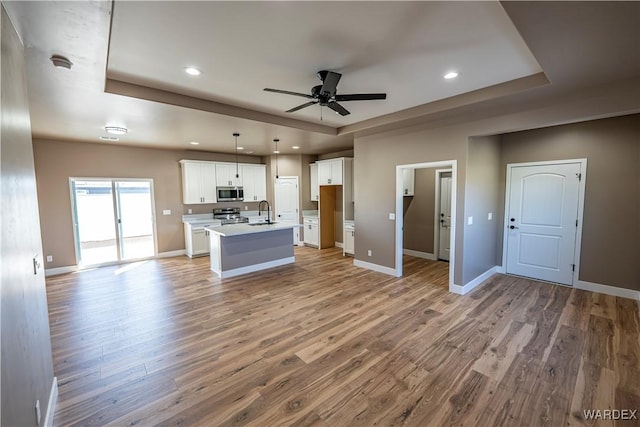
[(462, 290), (451, 164), (425, 255), (51, 407), (171, 254), (581, 196), (60, 270), (339, 244), (501, 269), (608, 290), (254, 268), (375, 267)]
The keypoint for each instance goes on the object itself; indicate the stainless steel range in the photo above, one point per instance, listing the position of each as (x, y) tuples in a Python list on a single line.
[(229, 216)]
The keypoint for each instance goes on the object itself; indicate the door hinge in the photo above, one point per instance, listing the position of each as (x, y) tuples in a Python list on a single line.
[(579, 176), (576, 222), (573, 267)]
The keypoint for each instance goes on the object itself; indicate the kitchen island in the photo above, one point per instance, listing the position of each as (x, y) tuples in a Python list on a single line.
[(244, 248)]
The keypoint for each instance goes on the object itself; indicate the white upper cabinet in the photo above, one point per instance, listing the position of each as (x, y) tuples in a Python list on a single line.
[(226, 175), (408, 181), (254, 182), (315, 187), (198, 182), (330, 172)]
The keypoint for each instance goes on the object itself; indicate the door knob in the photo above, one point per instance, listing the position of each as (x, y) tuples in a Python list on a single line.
[(512, 227)]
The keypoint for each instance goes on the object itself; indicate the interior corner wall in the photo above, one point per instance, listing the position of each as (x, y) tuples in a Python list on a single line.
[(419, 209), (26, 358), (611, 223), (482, 197)]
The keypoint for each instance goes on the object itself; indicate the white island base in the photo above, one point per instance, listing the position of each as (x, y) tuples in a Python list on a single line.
[(241, 248)]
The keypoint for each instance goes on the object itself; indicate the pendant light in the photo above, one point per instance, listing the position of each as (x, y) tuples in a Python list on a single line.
[(277, 152), (236, 135)]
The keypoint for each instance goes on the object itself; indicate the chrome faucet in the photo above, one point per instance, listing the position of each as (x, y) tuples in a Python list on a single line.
[(268, 210)]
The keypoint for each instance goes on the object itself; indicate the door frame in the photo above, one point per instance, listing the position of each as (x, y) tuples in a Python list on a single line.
[(581, 193), (449, 164), (296, 230), (74, 215), (436, 213)]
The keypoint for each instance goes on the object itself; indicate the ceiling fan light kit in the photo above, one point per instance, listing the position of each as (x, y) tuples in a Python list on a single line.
[(325, 94)]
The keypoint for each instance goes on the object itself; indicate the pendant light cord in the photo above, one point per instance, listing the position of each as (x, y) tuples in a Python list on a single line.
[(276, 141), (236, 135)]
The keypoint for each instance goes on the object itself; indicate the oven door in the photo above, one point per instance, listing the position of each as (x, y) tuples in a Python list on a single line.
[(230, 194)]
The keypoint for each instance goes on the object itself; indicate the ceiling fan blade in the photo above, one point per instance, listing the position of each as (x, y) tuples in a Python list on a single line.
[(287, 92), (338, 108), (330, 82), (300, 107), (361, 97)]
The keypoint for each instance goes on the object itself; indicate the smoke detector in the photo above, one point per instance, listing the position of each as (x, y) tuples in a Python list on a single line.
[(61, 61)]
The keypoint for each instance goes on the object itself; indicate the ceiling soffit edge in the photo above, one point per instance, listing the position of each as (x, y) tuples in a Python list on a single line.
[(451, 103), (147, 93)]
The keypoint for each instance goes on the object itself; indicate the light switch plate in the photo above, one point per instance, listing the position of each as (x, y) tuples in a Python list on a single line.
[(470, 220), (392, 216), (166, 212), (490, 216)]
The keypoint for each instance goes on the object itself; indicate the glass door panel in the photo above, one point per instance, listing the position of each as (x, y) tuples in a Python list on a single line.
[(95, 228), (135, 219)]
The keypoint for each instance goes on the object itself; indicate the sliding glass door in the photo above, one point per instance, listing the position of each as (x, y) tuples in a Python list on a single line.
[(113, 220)]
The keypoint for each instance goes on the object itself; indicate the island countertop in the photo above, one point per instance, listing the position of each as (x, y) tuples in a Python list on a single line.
[(240, 229)]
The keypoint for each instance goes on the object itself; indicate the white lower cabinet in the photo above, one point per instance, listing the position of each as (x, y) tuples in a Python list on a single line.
[(196, 238), (349, 239), (310, 231)]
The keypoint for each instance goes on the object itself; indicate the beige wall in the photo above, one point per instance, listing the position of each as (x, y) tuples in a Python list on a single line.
[(611, 228), (419, 210), (27, 364), (378, 154), (483, 188), (57, 161)]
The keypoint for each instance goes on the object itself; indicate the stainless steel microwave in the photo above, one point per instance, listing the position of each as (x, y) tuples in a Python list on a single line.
[(230, 194)]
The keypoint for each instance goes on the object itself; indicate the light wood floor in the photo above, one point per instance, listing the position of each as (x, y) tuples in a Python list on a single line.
[(324, 343)]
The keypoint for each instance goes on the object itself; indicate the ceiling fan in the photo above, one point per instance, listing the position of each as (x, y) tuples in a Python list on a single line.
[(325, 94)]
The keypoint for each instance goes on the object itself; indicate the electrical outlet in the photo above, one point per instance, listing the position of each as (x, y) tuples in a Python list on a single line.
[(37, 412), (49, 258), (190, 211), (246, 208), (392, 216), (369, 253)]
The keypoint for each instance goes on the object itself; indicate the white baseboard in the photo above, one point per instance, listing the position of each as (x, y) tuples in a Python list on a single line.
[(425, 255), (254, 268), (60, 270), (339, 244), (462, 290), (608, 290), (170, 254), (51, 407), (501, 269), (375, 267)]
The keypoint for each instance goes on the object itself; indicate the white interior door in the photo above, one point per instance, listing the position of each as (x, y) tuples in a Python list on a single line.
[(542, 217), (444, 242), (286, 199)]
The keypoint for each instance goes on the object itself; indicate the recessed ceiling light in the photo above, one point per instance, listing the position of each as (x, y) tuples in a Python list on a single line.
[(451, 75), (192, 71), (194, 143), (240, 148), (249, 152), (61, 61), (276, 152), (109, 138), (116, 130), (295, 147)]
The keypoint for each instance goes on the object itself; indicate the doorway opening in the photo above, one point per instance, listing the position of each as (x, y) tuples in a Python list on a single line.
[(543, 219), (404, 171), (113, 220), (287, 203)]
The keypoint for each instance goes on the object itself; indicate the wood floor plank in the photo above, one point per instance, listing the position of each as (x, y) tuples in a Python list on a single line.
[(324, 343)]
